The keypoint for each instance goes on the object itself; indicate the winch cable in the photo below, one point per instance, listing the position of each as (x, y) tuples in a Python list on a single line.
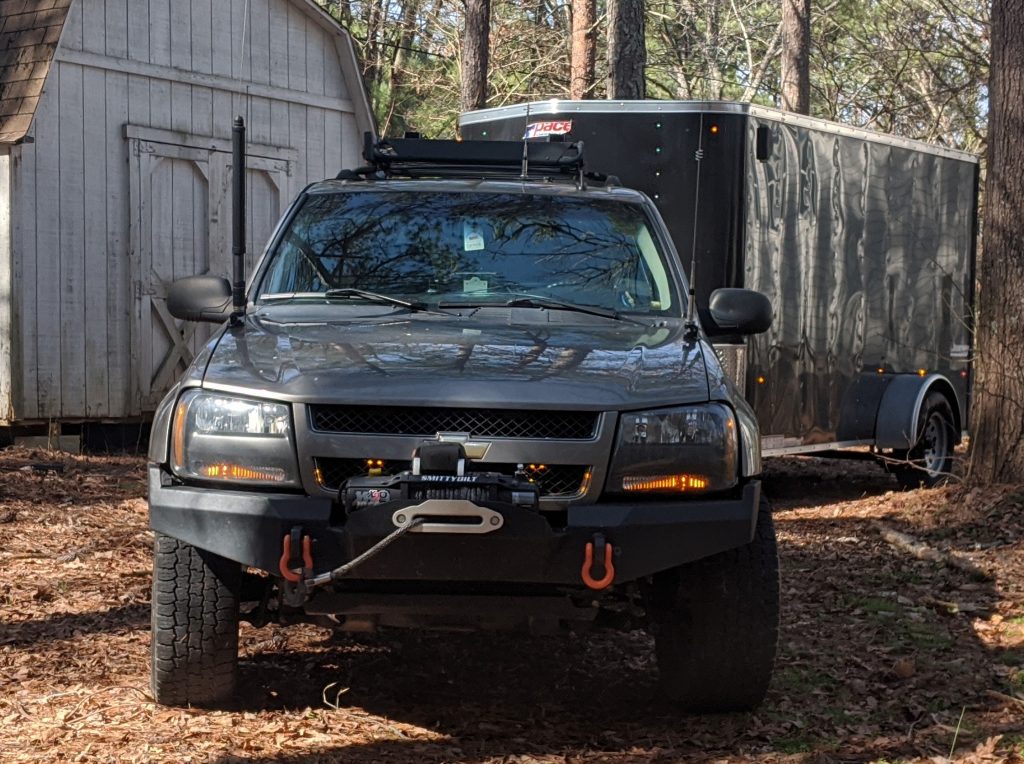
[(373, 551)]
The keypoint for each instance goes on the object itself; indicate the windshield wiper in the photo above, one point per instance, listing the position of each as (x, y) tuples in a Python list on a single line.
[(363, 294), (538, 301)]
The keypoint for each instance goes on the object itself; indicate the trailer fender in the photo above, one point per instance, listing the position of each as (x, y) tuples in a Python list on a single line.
[(898, 412)]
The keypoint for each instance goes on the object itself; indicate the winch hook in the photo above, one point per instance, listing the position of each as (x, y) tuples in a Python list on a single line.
[(603, 550)]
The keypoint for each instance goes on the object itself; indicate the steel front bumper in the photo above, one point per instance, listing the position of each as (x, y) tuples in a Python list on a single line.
[(648, 537)]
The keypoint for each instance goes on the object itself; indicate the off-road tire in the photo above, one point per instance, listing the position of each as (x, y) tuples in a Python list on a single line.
[(929, 462), (716, 625), (194, 636)]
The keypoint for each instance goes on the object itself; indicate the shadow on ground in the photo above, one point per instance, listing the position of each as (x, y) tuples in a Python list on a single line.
[(66, 625), (874, 663)]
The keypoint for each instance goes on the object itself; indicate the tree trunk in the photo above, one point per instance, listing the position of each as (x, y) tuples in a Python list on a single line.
[(998, 407), (399, 61), (584, 49), (627, 51), (796, 56), (475, 53), (372, 17)]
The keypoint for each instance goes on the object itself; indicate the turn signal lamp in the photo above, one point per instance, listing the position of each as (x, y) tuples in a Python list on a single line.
[(228, 471), (679, 483)]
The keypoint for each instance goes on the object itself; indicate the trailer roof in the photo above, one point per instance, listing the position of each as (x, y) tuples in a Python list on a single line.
[(560, 107)]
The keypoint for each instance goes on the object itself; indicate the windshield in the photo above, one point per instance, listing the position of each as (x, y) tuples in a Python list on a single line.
[(473, 248)]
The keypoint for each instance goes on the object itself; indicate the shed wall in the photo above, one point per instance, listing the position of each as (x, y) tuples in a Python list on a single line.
[(165, 65), (6, 201)]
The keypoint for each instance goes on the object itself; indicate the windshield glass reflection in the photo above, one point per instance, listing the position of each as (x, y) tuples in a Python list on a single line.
[(474, 248)]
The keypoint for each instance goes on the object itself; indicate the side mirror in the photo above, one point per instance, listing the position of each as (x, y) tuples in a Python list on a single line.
[(200, 298), (739, 311)]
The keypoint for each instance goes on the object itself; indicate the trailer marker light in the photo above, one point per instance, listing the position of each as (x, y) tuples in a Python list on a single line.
[(921, 372), (714, 129), (664, 483), (881, 370), (964, 373), (761, 380)]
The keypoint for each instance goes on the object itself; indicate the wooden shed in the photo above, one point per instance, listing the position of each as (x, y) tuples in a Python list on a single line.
[(115, 176)]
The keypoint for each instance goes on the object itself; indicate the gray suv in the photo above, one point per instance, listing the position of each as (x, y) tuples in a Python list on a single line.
[(465, 390)]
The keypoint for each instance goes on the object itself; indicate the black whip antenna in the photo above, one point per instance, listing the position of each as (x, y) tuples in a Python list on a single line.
[(691, 308), (238, 219), (526, 146)]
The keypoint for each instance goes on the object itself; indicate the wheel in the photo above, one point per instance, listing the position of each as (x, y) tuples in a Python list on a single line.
[(716, 625), (929, 462), (194, 637)]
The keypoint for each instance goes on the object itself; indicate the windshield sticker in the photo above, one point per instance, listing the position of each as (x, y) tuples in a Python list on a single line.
[(540, 129), (474, 284), (472, 237)]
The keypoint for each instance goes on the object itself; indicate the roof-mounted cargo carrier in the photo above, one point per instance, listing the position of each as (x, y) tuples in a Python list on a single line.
[(419, 158)]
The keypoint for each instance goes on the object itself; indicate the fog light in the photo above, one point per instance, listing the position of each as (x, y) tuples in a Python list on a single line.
[(664, 483)]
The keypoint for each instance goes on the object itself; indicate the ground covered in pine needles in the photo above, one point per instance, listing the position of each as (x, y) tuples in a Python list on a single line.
[(884, 656)]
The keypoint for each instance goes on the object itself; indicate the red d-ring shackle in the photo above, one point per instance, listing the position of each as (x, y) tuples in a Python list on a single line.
[(307, 558), (588, 561)]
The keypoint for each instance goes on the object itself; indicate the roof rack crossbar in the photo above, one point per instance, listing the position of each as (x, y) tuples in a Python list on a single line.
[(412, 155)]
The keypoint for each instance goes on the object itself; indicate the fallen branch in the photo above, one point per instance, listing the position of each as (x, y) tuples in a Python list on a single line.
[(922, 551), (1006, 699)]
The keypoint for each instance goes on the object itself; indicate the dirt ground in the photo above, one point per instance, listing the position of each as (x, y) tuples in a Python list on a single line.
[(883, 656)]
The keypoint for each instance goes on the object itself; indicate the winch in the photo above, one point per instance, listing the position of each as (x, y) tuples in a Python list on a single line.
[(439, 481)]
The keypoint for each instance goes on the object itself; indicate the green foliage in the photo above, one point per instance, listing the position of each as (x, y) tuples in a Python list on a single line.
[(917, 68)]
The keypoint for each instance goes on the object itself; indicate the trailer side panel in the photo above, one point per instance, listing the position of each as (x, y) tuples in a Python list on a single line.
[(865, 249)]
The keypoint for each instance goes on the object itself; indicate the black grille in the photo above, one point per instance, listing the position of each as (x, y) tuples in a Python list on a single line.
[(552, 479), (479, 423)]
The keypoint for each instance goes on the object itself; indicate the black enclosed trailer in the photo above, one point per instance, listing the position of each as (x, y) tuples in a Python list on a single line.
[(864, 242)]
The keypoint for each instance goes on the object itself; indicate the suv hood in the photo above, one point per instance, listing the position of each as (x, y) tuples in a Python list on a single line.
[(514, 356)]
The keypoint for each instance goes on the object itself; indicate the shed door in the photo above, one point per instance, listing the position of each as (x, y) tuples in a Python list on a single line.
[(180, 211)]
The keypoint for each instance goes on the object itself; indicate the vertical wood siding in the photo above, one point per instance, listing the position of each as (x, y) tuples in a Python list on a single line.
[(118, 63), (6, 274)]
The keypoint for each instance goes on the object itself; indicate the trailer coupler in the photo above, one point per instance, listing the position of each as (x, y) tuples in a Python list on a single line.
[(602, 575)]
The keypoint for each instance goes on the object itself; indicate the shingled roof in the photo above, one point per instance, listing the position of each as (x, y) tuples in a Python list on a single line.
[(29, 31)]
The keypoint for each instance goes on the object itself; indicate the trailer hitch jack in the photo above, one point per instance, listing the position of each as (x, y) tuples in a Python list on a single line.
[(602, 550), (288, 566)]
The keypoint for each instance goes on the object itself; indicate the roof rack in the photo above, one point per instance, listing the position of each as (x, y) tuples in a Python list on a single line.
[(416, 157)]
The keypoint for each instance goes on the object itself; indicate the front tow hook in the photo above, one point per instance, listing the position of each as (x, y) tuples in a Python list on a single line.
[(592, 574)]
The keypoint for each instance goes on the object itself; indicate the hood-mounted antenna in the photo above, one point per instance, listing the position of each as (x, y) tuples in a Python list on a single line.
[(691, 308), (238, 220), (525, 169)]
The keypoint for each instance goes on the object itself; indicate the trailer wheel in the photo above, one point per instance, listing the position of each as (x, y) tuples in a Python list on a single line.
[(194, 637), (929, 462), (716, 625)]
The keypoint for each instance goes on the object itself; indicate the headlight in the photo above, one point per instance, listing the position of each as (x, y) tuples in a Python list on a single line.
[(233, 440), (682, 450)]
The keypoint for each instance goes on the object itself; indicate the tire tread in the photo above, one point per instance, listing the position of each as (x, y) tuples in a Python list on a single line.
[(194, 637), (717, 638)]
